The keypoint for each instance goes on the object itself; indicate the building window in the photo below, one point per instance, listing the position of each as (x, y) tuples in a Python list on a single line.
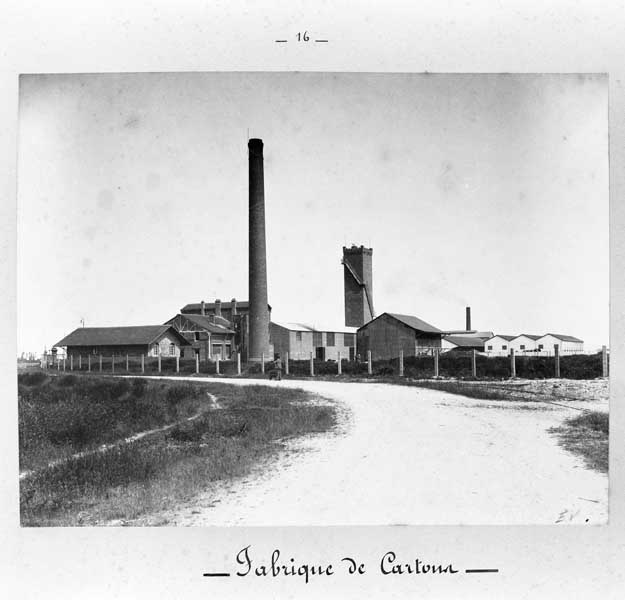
[(329, 339), (489, 347), (298, 336), (504, 347), (197, 336), (172, 350), (349, 339), (317, 338), (155, 349), (522, 346), (540, 346)]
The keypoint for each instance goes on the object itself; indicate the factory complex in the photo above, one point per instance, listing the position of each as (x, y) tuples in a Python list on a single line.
[(216, 330)]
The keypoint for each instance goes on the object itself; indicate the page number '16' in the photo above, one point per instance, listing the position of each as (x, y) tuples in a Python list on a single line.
[(303, 37)]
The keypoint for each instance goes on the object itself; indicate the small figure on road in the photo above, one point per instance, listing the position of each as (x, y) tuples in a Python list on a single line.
[(277, 365)]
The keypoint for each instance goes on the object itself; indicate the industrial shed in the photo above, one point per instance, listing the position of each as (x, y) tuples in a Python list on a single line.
[(567, 344), (498, 345), (390, 333), (207, 336), (325, 342), (151, 340), (458, 342)]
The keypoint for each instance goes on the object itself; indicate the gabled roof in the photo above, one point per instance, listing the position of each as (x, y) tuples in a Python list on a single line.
[(527, 335), (204, 322), (465, 342), (508, 338), (564, 338), (117, 336), (412, 322)]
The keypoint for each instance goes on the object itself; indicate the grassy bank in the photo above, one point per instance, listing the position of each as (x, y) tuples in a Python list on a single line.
[(587, 436), (158, 471)]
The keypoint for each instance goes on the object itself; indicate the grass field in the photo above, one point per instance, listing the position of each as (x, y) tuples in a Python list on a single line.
[(65, 415), (587, 435)]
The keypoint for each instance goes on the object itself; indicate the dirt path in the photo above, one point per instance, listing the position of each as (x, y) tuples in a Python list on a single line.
[(406, 455)]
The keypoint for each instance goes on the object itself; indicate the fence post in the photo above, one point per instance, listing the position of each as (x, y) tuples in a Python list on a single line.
[(177, 363), (401, 363), (474, 363), (556, 349), (604, 360), (238, 363), (197, 363), (369, 365), (64, 359), (217, 366), (113, 363), (159, 361), (71, 362), (262, 362), (312, 365), (436, 362), (143, 363), (80, 362), (100, 363), (127, 364), (286, 363), (512, 363), (89, 363), (338, 362)]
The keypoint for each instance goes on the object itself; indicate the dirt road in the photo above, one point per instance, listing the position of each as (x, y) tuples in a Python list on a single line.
[(404, 455)]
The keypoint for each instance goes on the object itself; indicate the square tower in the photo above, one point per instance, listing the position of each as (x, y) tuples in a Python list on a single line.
[(358, 277)]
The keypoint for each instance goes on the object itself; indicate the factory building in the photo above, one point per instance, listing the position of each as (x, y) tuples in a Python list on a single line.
[(524, 343), (567, 344), (208, 338), (217, 329), (387, 335), (325, 343), (151, 340), (461, 342)]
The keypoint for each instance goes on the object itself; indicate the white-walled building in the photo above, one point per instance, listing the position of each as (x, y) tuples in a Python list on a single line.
[(524, 343), (299, 340), (567, 344), (498, 345)]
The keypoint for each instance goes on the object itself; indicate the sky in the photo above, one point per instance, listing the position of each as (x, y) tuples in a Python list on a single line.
[(489, 191)]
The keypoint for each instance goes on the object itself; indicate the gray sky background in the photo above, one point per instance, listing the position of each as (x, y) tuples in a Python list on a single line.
[(481, 190)]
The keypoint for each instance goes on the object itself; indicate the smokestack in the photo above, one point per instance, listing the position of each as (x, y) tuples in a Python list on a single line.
[(468, 318), (259, 313), (203, 308), (218, 308), (234, 306)]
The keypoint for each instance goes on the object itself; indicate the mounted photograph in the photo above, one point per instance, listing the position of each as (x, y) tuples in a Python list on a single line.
[(312, 299)]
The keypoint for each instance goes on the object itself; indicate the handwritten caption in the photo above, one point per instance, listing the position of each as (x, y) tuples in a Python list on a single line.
[(389, 564)]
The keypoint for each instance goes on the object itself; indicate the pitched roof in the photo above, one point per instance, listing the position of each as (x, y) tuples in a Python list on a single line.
[(468, 342), (508, 338), (117, 336), (565, 338), (413, 322), (205, 323), (527, 335)]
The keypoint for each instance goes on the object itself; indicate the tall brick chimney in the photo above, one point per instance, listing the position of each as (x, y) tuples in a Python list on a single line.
[(468, 327), (218, 308), (259, 313)]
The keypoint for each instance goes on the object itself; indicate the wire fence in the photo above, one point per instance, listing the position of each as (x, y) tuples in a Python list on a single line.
[(430, 364)]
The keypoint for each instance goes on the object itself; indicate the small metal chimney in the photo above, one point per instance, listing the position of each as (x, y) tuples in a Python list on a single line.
[(203, 308), (218, 308), (468, 327), (234, 306)]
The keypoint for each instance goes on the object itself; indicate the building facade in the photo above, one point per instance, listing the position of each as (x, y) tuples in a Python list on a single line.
[(390, 333), (207, 338), (567, 344), (300, 340), (149, 340)]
